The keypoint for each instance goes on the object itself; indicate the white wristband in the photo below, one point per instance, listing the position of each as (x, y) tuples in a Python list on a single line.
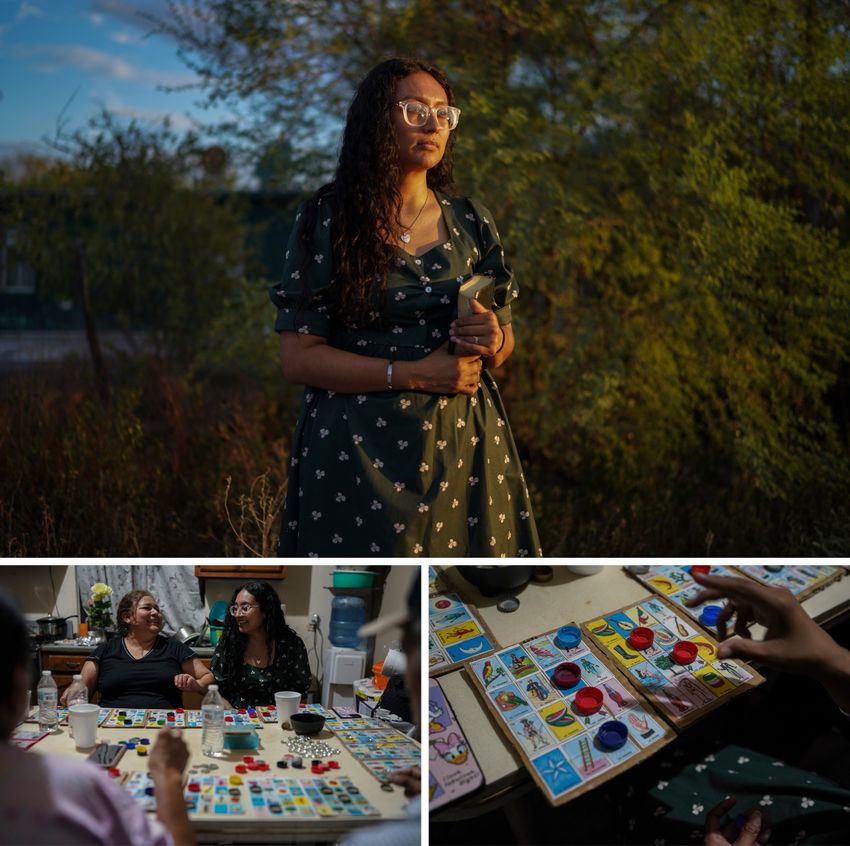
[(389, 376)]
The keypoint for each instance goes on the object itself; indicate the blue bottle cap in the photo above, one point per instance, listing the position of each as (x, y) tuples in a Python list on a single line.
[(709, 614), (145, 741), (612, 735), (568, 637), (131, 745)]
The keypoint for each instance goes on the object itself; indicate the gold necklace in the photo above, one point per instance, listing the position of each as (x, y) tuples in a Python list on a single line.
[(405, 236)]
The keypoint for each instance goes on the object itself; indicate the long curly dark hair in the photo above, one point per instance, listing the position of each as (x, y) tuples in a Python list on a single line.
[(232, 643), (365, 195)]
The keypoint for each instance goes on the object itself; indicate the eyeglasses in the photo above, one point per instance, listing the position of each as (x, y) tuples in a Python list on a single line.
[(418, 114), (244, 608)]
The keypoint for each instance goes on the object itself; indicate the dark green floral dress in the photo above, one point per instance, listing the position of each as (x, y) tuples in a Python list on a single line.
[(257, 686), (397, 473)]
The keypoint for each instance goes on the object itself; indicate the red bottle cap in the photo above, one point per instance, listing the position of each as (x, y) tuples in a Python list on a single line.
[(566, 675), (684, 652), (641, 638), (318, 770), (588, 700), (700, 568), (114, 772), (248, 759), (179, 710), (241, 768), (334, 765)]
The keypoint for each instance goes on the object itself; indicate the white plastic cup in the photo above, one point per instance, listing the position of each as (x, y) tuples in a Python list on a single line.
[(286, 702), (83, 722)]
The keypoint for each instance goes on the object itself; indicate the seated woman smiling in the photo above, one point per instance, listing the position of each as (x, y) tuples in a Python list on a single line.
[(259, 654), (141, 668)]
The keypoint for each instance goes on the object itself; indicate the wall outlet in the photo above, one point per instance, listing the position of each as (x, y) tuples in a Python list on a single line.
[(313, 623)]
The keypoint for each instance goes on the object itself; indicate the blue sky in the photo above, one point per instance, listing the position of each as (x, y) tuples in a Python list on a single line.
[(100, 49)]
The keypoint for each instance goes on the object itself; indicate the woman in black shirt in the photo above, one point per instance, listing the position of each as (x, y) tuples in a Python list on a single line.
[(141, 668), (258, 654)]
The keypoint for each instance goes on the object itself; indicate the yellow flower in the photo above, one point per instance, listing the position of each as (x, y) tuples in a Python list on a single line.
[(99, 590)]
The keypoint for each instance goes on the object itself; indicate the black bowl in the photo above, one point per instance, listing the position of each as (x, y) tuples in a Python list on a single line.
[(493, 580), (307, 723)]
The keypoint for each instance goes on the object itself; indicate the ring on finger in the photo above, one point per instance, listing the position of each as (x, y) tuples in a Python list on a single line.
[(475, 340)]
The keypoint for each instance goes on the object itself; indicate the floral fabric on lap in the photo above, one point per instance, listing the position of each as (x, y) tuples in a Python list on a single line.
[(403, 472)]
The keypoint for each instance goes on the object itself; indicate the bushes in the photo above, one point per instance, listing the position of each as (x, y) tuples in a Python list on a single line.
[(145, 476)]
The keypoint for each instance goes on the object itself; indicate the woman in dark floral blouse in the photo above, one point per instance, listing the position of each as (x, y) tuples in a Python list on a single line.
[(258, 653)]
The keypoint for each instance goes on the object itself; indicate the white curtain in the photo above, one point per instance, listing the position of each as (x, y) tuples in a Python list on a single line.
[(174, 587)]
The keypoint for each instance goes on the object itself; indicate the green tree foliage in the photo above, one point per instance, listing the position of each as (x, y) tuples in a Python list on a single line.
[(133, 228), (670, 179)]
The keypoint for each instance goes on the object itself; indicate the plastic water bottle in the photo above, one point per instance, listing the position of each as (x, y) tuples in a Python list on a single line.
[(78, 693), (348, 614), (212, 710), (48, 696)]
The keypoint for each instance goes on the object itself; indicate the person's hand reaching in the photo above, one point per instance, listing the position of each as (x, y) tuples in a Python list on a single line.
[(755, 828)]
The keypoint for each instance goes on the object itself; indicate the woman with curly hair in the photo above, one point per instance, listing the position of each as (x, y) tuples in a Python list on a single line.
[(258, 653), (402, 446)]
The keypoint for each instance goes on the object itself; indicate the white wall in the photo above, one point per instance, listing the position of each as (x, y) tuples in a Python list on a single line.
[(37, 596)]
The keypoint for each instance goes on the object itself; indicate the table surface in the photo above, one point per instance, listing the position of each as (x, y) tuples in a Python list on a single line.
[(568, 597), (272, 748)]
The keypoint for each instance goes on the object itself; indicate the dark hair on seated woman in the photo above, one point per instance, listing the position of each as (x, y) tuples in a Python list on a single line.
[(15, 638), (232, 645)]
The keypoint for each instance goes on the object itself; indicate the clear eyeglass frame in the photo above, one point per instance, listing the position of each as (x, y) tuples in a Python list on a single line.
[(244, 609), (414, 111)]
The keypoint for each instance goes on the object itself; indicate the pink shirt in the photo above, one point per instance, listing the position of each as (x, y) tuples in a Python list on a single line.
[(51, 799)]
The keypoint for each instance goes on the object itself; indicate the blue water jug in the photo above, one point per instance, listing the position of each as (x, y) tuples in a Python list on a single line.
[(348, 614)]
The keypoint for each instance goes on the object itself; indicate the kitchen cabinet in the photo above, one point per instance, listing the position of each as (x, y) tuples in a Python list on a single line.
[(247, 571), (64, 666)]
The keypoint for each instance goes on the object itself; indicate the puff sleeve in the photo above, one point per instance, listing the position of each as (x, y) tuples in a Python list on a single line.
[(307, 267), (492, 262)]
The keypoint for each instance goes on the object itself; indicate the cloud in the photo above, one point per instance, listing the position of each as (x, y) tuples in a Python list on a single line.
[(132, 12), (28, 10), (125, 38), (52, 58), (179, 122), (96, 19)]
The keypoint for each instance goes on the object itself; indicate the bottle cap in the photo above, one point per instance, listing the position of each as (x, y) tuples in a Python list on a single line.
[(612, 735), (568, 637), (708, 616), (684, 652), (588, 701), (212, 687), (641, 637), (46, 672), (700, 568), (566, 675)]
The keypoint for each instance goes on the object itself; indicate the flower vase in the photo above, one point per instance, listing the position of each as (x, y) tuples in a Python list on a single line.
[(97, 635)]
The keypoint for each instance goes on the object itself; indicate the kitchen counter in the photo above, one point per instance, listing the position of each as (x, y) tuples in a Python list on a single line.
[(78, 648)]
